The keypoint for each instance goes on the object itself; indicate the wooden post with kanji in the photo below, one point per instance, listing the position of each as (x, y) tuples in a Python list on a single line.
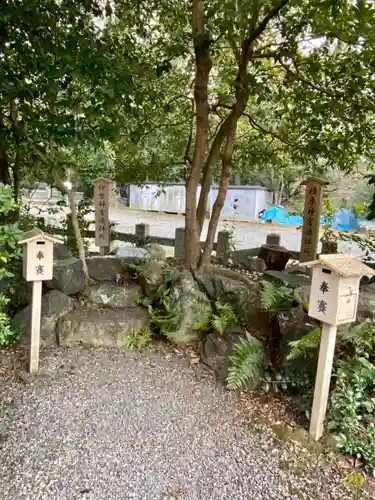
[(311, 219), (101, 200), (333, 301), (37, 267)]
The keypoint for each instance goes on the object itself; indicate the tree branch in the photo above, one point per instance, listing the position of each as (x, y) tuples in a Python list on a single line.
[(262, 129), (258, 30), (164, 125)]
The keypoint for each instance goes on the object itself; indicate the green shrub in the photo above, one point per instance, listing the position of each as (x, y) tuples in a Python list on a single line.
[(351, 414), (351, 407), (10, 263)]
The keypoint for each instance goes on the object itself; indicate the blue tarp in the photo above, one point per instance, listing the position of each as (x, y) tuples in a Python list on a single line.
[(344, 220)]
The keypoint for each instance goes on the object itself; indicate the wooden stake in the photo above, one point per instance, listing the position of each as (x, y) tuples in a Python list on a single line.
[(36, 307), (323, 379)]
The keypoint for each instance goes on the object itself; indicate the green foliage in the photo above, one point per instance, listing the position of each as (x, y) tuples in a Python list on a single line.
[(163, 305), (10, 257), (223, 317), (246, 363), (138, 339), (351, 415), (275, 296), (360, 339), (306, 346), (166, 314)]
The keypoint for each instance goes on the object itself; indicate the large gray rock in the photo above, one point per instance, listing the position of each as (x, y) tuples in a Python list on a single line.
[(194, 309), (156, 251), (68, 276), (132, 255), (365, 308), (102, 327), (104, 268), (151, 275), (60, 252), (113, 296), (54, 305), (302, 296)]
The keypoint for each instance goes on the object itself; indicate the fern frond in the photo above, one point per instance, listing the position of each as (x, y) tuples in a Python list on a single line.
[(246, 363), (224, 317), (275, 296), (302, 347)]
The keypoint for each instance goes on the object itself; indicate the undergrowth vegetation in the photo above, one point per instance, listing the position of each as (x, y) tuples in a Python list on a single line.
[(352, 403), (10, 260)]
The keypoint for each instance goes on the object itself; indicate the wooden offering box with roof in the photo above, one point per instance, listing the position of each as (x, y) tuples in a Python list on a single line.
[(335, 288)]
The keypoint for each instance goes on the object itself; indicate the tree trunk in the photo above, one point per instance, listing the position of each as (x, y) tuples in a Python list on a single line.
[(77, 231), (219, 202), (16, 176), (71, 193), (202, 72), (4, 164), (207, 177)]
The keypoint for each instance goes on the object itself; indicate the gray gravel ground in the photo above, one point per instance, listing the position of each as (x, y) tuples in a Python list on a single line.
[(112, 424)]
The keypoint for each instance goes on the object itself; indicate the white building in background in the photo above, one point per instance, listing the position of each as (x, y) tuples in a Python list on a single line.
[(242, 203)]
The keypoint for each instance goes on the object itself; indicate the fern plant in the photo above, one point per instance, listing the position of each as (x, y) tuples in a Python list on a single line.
[(275, 296), (246, 363), (138, 339), (305, 346), (223, 317)]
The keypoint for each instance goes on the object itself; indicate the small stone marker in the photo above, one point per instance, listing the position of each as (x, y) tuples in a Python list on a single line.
[(102, 189), (333, 301), (311, 219), (37, 267)]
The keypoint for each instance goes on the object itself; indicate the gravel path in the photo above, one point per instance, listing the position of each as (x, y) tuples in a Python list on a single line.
[(108, 424)]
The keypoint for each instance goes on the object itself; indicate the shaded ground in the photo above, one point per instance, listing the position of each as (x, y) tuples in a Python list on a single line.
[(105, 424)]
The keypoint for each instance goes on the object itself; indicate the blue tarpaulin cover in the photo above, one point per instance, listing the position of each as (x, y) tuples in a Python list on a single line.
[(344, 220)]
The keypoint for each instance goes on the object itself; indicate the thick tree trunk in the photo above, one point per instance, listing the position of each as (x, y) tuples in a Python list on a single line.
[(202, 72)]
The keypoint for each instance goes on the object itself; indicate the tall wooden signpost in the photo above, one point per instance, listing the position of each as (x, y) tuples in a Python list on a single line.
[(37, 267), (102, 188), (333, 301), (311, 219)]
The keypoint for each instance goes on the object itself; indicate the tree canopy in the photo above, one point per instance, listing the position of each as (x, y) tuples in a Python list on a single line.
[(187, 90)]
